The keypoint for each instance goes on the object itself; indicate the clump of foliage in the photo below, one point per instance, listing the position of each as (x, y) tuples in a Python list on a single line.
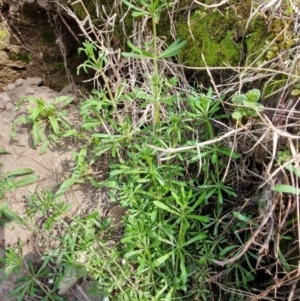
[(47, 120), (247, 105), (16, 178), (185, 230)]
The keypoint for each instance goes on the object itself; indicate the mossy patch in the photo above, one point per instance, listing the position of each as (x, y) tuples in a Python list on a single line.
[(213, 37), (47, 35), (24, 57), (4, 36)]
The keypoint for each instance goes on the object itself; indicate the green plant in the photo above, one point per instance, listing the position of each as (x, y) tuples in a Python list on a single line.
[(246, 105), (14, 179), (32, 284), (166, 222), (296, 90), (59, 66), (47, 119), (23, 57)]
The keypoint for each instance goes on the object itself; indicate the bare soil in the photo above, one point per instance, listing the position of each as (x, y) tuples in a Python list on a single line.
[(52, 168)]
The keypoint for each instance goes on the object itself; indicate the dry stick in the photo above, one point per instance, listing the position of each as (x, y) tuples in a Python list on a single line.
[(185, 148), (212, 5), (79, 288), (250, 242)]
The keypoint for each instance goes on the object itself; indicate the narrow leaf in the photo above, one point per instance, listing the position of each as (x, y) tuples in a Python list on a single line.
[(164, 207), (286, 189), (54, 125), (198, 237), (200, 218), (19, 172), (44, 147), (241, 217), (27, 180), (65, 186), (3, 151), (157, 262)]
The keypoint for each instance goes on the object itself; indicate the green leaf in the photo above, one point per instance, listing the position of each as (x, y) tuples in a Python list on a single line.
[(199, 218), (295, 92), (139, 14), (138, 50), (183, 274), (198, 237), (19, 172), (9, 214), (224, 251), (237, 115), (241, 217), (26, 180), (284, 261), (173, 49), (293, 169), (199, 201), (36, 134), (228, 152), (134, 55), (238, 99), (3, 151), (157, 262), (54, 125), (44, 147), (130, 5), (65, 186), (131, 253), (164, 207), (286, 189), (66, 99), (250, 105), (253, 95)]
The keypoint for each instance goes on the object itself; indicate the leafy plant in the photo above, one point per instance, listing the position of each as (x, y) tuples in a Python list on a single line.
[(17, 178), (47, 120), (296, 90), (32, 284), (246, 104)]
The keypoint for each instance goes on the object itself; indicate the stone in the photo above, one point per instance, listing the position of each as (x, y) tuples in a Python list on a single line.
[(34, 81), (9, 107), (4, 97), (19, 81), (10, 87), (3, 58), (29, 90)]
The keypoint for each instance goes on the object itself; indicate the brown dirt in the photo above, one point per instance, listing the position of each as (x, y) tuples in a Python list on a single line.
[(52, 168)]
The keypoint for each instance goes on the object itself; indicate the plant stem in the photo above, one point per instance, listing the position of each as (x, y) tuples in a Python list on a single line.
[(155, 76)]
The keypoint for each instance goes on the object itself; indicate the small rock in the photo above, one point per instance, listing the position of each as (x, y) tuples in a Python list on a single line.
[(4, 97), (34, 81), (29, 90), (19, 81), (10, 87), (9, 107)]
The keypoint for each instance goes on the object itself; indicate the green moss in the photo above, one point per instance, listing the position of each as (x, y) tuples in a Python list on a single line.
[(59, 66), (47, 35), (22, 57), (213, 37), (3, 34), (4, 37), (256, 39)]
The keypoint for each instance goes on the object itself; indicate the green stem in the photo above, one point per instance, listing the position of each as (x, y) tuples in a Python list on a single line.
[(112, 99), (155, 76)]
